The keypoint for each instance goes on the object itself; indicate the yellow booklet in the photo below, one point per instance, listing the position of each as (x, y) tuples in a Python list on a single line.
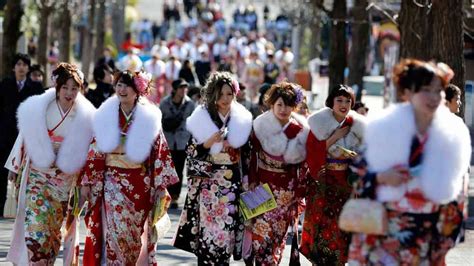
[(257, 201)]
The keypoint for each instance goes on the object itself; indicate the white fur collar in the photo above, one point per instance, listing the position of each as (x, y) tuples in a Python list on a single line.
[(141, 136), (201, 126), (446, 155), (274, 141), (72, 154)]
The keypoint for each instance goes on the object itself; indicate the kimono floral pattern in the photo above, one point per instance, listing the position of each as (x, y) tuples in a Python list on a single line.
[(210, 225)]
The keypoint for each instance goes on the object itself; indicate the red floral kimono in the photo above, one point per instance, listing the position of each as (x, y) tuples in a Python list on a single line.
[(285, 173), (329, 188), (128, 197)]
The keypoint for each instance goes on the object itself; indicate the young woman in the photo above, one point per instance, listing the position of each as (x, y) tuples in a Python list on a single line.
[(278, 150), (55, 133), (126, 175), (419, 169), (336, 132), (210, 225)]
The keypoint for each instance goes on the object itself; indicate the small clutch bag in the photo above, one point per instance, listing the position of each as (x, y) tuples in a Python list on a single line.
[(364, 216)]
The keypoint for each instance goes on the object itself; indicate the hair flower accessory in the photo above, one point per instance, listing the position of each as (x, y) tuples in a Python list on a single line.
[(236, 86), (142, 81), (299, 94), (446, 72)]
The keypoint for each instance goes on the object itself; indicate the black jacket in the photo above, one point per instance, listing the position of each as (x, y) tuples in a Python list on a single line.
[(100, 94)]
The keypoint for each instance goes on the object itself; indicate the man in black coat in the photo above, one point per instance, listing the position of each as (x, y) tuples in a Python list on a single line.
[(103, 77), (13, 91)]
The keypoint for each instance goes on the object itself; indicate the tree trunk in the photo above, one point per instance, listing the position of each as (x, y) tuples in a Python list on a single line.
[(11, 34), (337, 56), (100, 30), (45, 11), (315, 25), (118, 23), (87, 51), (360, 41), (65, 33), (435, 33)]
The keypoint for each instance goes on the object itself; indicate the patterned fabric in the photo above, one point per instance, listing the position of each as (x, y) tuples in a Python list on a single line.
[(322, 242), (125, 199), (288, 184), (420, 231), (211, 226)]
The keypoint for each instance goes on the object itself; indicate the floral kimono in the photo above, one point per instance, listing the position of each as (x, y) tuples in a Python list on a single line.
[(278, 153), (128, 168), (49, 152), (329, 187), (421, 229), (211, 225)]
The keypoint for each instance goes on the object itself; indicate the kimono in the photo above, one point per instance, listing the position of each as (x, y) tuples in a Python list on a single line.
[(211, 225), (421, 226), (329, 187), (277, 159), (128, 169), (48, 154)]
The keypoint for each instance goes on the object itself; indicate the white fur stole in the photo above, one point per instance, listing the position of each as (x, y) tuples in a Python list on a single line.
[(72, 154), (323, 124), (446, 155), (270, 133), (201, 126), (141, 136)]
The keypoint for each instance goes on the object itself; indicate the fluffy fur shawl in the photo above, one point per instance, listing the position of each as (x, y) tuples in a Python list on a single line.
[(274, 141), (201, 126), (72, 154), (323, 124), (142, 133), (446, 154)]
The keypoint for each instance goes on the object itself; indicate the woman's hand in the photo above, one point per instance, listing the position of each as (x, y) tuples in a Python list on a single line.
[(336, 135), (216, 137), (12, 176), (85, 194), (394, 177)]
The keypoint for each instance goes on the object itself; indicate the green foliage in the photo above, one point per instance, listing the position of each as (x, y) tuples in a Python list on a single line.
[(132, 2)]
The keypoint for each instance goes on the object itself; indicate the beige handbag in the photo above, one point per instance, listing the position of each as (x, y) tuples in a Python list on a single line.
[(11, 203), (364, 216)]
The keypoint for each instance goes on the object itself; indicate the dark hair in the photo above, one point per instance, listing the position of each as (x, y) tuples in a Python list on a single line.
[(262, 90), (34, 68), (284, 90), (212, 90), (451, 91), (340, 90), (99, 70), (23, 57), (412, 74), (193, 90), (125, 77), (64, 72)]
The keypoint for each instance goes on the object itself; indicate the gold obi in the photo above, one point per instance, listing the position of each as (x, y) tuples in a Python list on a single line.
[(337, 164), (118, 159), (224, 158), (268, 163)]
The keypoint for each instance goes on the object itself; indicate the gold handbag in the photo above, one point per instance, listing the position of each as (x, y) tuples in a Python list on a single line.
[(364, 216)]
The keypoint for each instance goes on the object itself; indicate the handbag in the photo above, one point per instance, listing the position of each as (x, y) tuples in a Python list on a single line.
[(364, 216), (11, 202)]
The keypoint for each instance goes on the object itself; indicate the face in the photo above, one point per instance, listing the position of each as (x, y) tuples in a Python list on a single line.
[(20, 69), (428, 98), (181, 91), (281, 111), (341, 107), (125, 93), (225, 98), (454, 104), (36, 76), (68, 92), (241, 96), (362, 111), (108, 77)]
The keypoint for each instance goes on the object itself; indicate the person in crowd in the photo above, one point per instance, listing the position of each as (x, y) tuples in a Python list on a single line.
[(424, 169), (336, 134), (277, 159), (103, 77), (172, 68), (13, 90), (36, 74), (360, 108), (187, 72), (156, 67), (253, 74), (203, 68), (241, 98), (210, 225), (453, 98), (176, 108), (131, 61), (125, 179), (262, 106), (107, 59), (271, 69), (302, 108), (55, 130), (194, 92)]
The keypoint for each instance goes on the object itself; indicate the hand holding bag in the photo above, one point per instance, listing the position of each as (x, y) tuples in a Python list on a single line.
[(364, 216)]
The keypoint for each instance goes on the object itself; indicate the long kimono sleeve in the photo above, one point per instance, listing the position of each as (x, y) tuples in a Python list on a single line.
[(253, 160), (94, 169), (316, 156), (16, 156)]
